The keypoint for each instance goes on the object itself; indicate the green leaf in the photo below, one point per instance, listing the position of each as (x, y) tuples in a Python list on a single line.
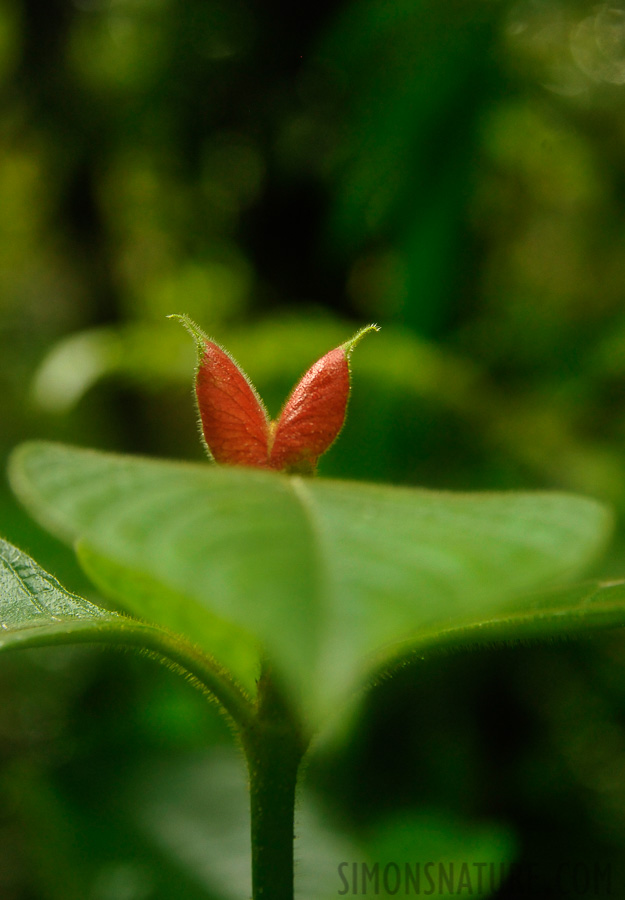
[(36, 611), (331, 577), (568, 611)]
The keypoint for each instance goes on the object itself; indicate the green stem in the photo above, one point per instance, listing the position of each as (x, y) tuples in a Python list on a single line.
[(274, 749)]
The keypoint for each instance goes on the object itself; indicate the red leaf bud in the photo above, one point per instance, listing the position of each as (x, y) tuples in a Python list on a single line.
[(234, 421)]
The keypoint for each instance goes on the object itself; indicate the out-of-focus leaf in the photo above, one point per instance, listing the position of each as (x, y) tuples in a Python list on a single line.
[(197, 812), (151, 355), (432, 852), (273, 351), (324, 574), (572, 610)]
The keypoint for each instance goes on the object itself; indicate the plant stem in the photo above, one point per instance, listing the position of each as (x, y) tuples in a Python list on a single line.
[(274, 749)]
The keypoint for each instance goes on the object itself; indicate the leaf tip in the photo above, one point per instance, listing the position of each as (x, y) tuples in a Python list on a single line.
[(200, 337), (349, 345)]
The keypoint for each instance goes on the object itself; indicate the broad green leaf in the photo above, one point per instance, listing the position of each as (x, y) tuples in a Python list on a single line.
[(36, 611), (567, 611), (331, 577)]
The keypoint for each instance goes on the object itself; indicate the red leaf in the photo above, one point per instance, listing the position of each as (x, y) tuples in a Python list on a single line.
[(234, 421), (313, 415)]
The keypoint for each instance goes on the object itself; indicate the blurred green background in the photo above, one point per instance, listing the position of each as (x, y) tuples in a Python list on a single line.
[(451, 169)]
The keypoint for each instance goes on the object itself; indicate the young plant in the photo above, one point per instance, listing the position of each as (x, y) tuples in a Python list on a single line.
[(282, 595)]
